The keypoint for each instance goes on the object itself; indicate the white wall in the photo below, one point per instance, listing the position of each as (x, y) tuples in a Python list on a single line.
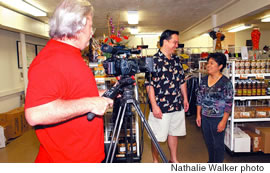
[(150, 41), (11, 84), (239, 38), (232, 11), (14, 21), (203, 43), (242, 36)]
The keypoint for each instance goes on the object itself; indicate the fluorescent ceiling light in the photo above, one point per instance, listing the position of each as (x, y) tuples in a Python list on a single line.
[(133, 17), (239, 28), (25, 7), (148, 35), (266, 19), (133, 30), (204, 34)]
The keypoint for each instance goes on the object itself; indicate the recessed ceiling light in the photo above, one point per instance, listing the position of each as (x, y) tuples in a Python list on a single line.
[(133, 30), (133, 17), (265, 19), (239, 28), (25, 7)]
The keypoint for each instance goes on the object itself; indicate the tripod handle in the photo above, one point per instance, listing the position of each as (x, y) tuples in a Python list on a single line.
[(90, 116), (111, 93)]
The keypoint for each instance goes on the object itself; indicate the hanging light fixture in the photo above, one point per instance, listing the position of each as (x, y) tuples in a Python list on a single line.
[(25, 7)]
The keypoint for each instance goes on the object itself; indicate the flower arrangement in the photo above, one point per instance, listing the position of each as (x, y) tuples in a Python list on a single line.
[(114, 37)]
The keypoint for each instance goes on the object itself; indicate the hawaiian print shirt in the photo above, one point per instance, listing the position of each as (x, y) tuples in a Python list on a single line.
[(166, 79), (217, 99)]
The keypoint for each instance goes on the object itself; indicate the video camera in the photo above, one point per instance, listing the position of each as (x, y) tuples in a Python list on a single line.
[(124, 66)]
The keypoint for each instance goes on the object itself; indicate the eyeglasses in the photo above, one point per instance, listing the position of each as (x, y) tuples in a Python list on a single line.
[(174, 42), (93, 30)]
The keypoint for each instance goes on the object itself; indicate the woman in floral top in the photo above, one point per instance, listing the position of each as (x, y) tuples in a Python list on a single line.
[(214, 105)]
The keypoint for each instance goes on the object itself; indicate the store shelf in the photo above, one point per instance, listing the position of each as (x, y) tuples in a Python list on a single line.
[(103, 79), (253, 75), (249, 119), (252, 98)]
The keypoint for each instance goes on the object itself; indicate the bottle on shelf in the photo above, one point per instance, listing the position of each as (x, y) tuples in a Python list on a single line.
[(259, 88), (254, 88), (244, 85), (249, 88), (236, 87), (240, 89), (263, 92), (268, 88)]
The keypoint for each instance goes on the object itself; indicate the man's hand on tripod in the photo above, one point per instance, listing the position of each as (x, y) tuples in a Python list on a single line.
[(99, 105), (101, 92)]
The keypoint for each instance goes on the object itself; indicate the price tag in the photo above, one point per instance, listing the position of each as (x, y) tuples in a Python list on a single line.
[(259, 76), (242, 99), (243, 76), (100, 80)]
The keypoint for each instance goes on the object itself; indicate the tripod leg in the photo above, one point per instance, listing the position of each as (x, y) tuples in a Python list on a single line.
[(118, 132), (150, 132), (112, 138), (129, 140)]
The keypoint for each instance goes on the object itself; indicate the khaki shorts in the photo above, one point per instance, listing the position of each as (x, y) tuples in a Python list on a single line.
[(172, 124)]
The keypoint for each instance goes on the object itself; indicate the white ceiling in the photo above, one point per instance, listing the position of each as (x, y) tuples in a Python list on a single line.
[(154, 15)]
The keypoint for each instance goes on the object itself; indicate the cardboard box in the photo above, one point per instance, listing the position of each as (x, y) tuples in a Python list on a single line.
[(3, 118), (256, 141), (25, 125), (265, 134), (14, 123), (241, 141), (227, 138), (2, 136)]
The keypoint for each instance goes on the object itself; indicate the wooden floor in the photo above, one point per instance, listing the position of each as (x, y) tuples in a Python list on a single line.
[(191, 149)]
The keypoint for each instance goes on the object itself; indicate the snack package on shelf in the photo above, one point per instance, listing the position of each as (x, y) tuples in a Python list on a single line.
[(262, 112), (99, 71), (244, 112)]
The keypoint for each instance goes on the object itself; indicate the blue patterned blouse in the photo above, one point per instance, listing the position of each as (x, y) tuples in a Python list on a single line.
[(217, 99)]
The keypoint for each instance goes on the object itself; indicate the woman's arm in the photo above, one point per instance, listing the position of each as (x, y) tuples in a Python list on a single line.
[(199, 118), (228, 97)]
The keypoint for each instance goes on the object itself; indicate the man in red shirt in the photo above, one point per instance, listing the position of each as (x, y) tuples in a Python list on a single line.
[(62, 89)]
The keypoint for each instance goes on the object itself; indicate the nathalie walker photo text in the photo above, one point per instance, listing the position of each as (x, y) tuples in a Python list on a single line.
[(217, 168)]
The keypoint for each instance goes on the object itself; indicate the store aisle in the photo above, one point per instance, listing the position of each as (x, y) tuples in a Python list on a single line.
[(21, 150), (191, 149)]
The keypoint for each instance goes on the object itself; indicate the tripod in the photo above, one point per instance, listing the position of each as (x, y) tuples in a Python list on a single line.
[(126, 102)]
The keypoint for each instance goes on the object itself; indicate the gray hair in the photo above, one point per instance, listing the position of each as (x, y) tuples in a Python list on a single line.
[(69, 18)]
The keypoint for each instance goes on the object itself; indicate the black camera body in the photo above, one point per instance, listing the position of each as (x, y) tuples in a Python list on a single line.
[(125, 66)]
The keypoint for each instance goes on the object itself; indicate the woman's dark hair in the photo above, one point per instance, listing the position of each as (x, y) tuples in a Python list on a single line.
[(167, 35), (220, 58)]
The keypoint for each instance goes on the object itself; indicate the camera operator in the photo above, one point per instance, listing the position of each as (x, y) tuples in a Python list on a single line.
[(168, 95), (62, 89)]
